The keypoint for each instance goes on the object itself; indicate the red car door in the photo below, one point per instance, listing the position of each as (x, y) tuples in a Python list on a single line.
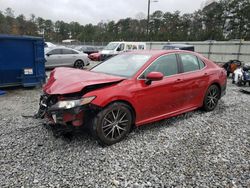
[(195, 79), (160, 97)]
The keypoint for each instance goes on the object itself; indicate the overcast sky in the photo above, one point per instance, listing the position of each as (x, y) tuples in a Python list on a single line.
[(93, 11)]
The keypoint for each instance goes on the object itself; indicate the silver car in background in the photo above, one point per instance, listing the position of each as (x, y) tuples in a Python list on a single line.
[(62, 56)]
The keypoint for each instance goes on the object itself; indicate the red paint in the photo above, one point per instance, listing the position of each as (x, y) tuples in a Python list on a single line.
[(69, 80), (167, 97), (155, 76), (95, 56)]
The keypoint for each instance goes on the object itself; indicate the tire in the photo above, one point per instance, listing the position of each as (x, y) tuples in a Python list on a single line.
[(240, 82), (79, 64), (211, 98), (112, 124)]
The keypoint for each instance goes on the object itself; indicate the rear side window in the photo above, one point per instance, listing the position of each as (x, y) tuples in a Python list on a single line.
[(67, 51), (189, 62), (201, 63), (167, 65), (55, 51), (141, 47)]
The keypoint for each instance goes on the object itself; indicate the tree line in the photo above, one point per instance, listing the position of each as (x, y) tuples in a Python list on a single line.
[(223, 20)]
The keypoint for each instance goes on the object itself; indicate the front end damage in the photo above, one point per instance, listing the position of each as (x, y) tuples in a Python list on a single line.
[(66, 111), (66, 101)]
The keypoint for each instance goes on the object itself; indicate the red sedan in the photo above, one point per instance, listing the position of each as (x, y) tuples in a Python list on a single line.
[(95, 56), (132, 88)]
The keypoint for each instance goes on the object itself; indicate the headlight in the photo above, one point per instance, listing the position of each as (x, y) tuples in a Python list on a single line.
[(73, 103)]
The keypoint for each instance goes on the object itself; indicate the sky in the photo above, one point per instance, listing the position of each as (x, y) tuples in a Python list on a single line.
[(94, 11)]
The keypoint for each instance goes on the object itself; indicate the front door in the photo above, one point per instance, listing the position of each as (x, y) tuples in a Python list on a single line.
[(53, 58), (162, 97)]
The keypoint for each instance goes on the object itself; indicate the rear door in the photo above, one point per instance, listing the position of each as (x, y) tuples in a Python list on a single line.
[(195, 79), (69, 57)]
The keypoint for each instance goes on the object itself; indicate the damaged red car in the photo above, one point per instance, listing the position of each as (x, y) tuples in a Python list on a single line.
[(132, 89)]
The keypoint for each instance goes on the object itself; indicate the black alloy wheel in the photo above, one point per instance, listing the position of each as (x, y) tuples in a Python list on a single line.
[(112, 124), (79, 64), (211, 98)]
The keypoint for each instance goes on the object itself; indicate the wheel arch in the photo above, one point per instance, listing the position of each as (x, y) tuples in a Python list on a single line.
[(127, 103), (218, 85), (78, 59)]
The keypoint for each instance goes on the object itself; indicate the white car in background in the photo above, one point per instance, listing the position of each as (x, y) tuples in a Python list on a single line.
[(62, 56), (49, 45)]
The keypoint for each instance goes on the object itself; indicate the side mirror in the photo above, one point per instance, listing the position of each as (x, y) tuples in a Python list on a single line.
[(153, 76)]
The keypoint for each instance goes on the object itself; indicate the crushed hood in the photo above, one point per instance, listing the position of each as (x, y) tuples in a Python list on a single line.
[(68, 80)]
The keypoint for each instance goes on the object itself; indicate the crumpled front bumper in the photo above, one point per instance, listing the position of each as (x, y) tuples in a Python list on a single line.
[(76, 116)]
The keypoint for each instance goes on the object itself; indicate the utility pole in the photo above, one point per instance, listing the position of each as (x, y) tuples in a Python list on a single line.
[(148, 18), (149, 1)]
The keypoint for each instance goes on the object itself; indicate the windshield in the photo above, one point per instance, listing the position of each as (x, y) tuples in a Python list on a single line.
[(111, 46), (125, 65)]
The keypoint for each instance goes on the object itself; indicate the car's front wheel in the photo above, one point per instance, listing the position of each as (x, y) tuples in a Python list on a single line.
[(112, 124), (79, 64), (211, 98)]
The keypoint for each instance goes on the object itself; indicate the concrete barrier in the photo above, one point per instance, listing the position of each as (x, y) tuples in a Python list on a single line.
[(218, 51)]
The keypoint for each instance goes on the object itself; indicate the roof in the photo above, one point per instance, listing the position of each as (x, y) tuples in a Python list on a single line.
[(157, 52), (179, 45)]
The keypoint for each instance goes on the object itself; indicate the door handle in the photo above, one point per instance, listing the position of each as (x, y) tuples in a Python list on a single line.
[(205, 74), (178, 80)]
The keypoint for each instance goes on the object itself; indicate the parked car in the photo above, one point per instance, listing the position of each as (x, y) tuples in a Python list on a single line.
[(61, 56), (178, 47), (114, 48), (49, 45), (87, 49), (133, 88), (95, 56)]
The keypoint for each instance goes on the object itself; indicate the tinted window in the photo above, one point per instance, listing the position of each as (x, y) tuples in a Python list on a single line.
[(201, 63), (134, 47), (121, 47), (189, 62), (141, 47), (55, 51), (167, 65), (167, 47), (67, 51)]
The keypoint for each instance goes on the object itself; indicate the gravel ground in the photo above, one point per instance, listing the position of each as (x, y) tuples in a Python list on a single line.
[(196, 149)]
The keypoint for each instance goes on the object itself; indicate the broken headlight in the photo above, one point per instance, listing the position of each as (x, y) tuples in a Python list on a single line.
[(68, 104)]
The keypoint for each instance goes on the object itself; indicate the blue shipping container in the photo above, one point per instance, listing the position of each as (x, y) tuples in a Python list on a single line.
[(22, 61)]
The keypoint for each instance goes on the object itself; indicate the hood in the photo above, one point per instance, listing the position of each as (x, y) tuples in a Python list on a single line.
[(68, 80)]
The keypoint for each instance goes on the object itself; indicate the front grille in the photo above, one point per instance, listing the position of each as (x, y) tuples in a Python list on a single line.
[(46, 101)]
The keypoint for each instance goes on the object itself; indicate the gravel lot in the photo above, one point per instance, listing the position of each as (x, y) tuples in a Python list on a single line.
[(196, 149)]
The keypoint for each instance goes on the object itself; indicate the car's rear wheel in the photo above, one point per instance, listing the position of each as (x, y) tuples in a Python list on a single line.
[(112, 124), (211, 98), (79, 64)]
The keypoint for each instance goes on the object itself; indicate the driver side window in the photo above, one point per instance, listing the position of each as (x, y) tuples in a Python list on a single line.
[(167, 65), (121, 47)]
